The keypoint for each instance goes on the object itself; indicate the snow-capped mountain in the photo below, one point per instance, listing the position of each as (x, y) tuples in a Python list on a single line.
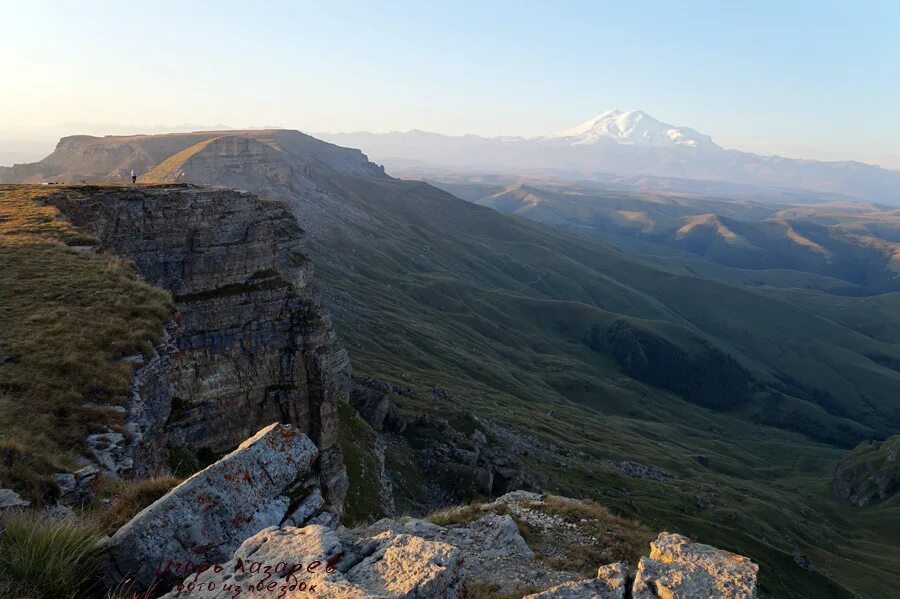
[(628, 146), (634, 127)]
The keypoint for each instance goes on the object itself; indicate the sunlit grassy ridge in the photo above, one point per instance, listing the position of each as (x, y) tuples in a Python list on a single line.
[(68, 313)]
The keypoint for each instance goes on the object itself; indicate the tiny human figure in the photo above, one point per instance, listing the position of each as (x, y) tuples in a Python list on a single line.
[(133, 176)]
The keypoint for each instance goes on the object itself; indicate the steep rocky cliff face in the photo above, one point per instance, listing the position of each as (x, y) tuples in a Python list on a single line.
[(251, 343)]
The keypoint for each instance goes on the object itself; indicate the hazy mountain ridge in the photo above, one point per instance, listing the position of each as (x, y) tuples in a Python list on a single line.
[(629, 143)]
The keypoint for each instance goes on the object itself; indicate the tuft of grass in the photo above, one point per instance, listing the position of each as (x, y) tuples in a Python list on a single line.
[(456, 515), (132, 498), (47, 559), (68, 313), (621, 539), (31, 466), (488, 590)]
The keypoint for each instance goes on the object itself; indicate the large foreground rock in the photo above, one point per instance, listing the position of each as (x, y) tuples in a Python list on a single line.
[(339, 565), (679, 569), (205, 518)]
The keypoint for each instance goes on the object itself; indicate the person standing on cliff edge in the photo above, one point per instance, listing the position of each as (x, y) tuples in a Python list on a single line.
[(133, 176)]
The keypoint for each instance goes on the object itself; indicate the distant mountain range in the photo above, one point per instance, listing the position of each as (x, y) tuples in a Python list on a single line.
[(629, 144)]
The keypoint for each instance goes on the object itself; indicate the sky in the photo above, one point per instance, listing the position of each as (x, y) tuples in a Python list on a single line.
[(801, 79)]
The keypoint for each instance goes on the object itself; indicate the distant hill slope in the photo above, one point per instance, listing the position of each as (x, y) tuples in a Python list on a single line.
[(848, 247), (604, 355)]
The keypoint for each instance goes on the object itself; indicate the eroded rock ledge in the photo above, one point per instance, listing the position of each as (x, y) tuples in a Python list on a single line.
[(250, 344)]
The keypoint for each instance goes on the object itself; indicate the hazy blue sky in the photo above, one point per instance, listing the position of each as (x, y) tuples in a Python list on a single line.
[(814, 79)]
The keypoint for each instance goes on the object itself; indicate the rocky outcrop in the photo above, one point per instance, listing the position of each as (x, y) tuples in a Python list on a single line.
[(317, 561), (869, 474), (456, 461), (491, 546), (678, 568), (480, 548), (268, 479), (251, 343)]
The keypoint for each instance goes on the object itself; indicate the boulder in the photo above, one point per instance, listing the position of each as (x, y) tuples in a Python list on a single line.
[(492, 547), (77, 488), (680, 569), (287, 562), (609, 584), (205, 518), (11, 499)]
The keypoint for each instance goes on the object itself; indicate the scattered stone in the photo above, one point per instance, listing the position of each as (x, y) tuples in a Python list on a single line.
[(478, 438), (11, 499), (108, 450), (440, 393), (638, 470), (803, 561), (77, 488)]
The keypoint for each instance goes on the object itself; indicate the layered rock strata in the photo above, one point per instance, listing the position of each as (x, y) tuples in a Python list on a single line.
[(250, 344)]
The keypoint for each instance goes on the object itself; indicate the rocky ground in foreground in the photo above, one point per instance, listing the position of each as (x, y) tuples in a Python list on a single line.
[(227, 529)]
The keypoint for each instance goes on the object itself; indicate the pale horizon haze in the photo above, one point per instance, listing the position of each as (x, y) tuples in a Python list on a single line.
[(805, 80)]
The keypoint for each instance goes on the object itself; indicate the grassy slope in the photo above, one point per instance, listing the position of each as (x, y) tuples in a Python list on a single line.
[(433, 291), (67, 313), (806, 244)]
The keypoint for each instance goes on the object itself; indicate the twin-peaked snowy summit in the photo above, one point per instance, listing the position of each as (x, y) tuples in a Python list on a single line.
[(634, 127)]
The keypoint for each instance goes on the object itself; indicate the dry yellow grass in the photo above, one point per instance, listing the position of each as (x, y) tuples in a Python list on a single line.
[(621, 539), (131, 499), (68, 313)]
